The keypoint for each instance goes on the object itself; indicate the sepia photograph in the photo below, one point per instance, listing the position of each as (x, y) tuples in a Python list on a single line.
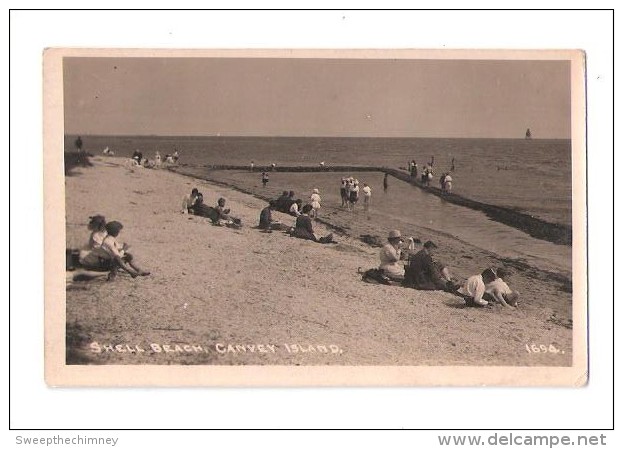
[(315, 217)]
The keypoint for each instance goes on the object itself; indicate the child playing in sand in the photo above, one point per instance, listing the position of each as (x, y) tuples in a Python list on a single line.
[(474, 288), (498, 290)]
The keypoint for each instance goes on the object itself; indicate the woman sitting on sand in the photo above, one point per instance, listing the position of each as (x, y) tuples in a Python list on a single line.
[(90, 256), (190, 201), (304, 229), (289, 202), (97, 225), (390, 257), (280, 202)]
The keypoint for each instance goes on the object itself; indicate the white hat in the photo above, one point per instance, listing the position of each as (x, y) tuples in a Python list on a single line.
[(315, 191)]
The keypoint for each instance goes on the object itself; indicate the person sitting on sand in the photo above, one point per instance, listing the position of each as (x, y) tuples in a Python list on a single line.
[(390, 257), (119, 257), (295, 209), (474, 288), (280, 202), (137, 156), (189, 201), (289, 202), (223, 215), (90, 255), (201, 209), (97, 226), (411, 248), (423, 273), (266, 218), (498, 290), (304, 229), (315, 203), (414, 245)]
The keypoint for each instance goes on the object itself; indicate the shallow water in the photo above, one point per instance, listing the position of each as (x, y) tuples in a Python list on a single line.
[(411, 210), (533, 176)]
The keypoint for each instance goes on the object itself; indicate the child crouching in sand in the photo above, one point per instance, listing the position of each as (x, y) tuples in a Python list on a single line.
[(474, 288), (498, 290)]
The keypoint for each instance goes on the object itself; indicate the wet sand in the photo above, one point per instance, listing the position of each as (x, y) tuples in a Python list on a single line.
[(217, 295)]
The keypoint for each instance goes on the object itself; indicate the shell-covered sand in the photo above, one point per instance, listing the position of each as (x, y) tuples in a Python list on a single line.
[(221, 296)]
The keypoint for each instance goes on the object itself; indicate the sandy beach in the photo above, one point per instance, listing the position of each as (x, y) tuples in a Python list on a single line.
[(221, 296)]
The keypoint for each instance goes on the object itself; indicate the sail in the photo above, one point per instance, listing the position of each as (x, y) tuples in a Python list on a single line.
[(528, 134)]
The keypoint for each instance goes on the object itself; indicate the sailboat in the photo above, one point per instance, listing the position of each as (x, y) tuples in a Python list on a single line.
[(528, 134)]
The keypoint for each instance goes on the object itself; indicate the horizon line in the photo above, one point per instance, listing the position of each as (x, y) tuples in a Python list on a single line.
[(308, 136)]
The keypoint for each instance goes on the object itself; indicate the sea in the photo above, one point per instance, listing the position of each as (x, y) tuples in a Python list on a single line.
[(530, 176)]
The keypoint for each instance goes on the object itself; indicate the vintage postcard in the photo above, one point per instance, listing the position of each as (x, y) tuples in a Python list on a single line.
[(315, 218)]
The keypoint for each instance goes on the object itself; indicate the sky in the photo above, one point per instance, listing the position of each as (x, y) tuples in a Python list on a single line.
[(316, 97)]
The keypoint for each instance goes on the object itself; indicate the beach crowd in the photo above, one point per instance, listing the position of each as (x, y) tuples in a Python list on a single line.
[(407, 263)]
